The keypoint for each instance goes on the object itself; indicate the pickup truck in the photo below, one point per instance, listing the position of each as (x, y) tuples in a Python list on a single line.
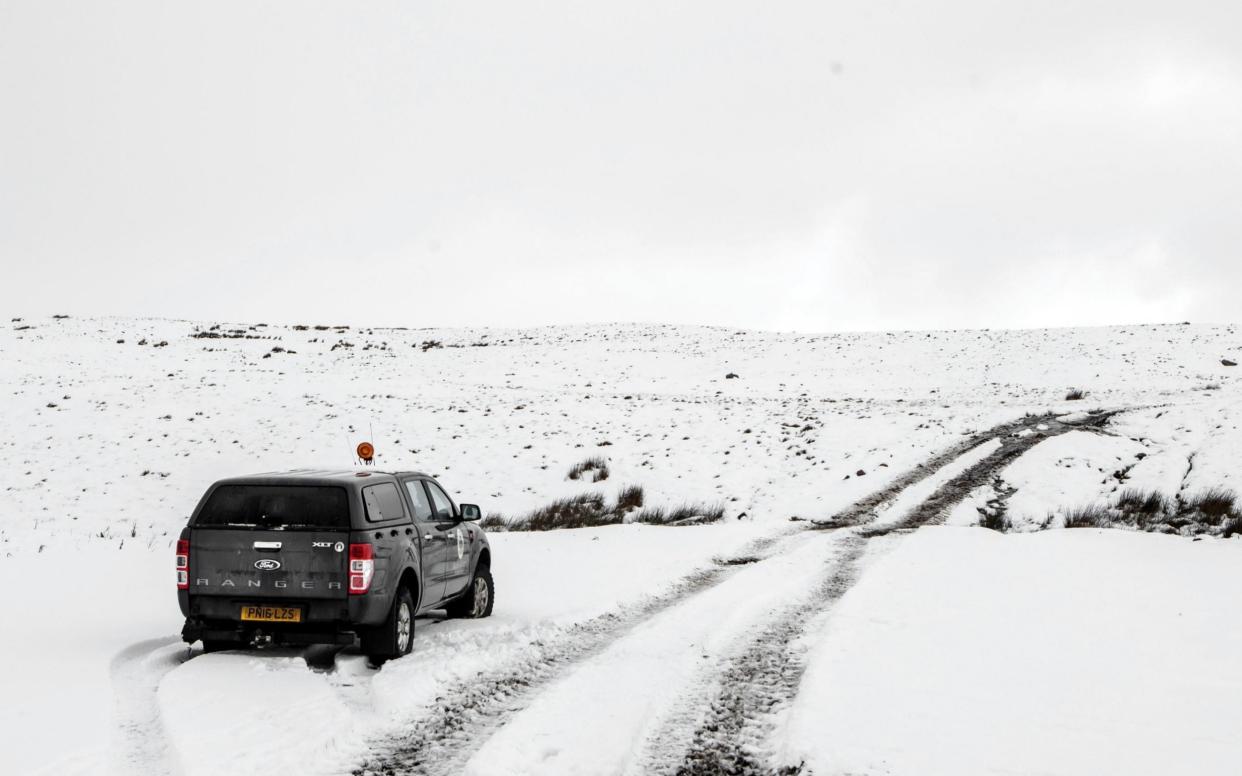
[(310, 557)]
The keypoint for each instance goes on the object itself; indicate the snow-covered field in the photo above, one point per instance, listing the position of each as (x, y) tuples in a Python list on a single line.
[(641, 649), (1067, 652)]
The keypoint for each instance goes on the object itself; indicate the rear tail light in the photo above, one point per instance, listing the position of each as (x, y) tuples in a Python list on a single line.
[(183, 564), (361, 568)]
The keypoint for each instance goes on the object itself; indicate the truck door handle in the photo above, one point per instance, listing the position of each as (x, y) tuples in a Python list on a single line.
[(426, 537)]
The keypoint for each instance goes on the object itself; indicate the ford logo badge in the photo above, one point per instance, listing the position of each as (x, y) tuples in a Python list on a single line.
[(267, 564)]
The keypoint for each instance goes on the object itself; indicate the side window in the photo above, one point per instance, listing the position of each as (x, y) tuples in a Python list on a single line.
[(443, 506), (383, 503), (422, 507)]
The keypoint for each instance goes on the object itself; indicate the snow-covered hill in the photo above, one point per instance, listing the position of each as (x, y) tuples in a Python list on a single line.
[(112, 428)]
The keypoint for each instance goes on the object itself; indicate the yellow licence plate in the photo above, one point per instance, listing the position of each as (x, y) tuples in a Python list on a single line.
[(271, 613)]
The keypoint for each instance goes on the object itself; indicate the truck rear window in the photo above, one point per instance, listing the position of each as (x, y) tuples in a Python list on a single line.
[(276, 506)]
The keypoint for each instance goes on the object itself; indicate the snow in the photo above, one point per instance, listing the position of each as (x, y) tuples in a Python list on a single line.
[(1072, 470), (642, 675), (115, 441), (594, 570), (299, 717), (62, 642), (1064, 652), (913, 496), (291, 714), (106, 446)]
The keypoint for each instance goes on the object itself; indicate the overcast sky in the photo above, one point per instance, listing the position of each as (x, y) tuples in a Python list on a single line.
[(784, 165)]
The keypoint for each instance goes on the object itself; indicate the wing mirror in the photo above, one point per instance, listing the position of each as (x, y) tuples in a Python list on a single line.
[(470, 511)]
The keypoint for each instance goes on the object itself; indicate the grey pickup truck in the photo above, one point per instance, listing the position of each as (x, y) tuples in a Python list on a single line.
[(310, 557)]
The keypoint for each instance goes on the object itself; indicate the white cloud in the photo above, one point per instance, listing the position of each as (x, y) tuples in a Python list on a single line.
[(801, 165)]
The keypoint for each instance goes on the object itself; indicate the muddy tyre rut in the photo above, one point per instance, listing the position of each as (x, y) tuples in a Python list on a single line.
[(765, 672), (731, 739), (440, 742)]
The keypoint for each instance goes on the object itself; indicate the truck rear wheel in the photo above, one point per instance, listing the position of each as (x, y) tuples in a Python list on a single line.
[(478, 598), (395, 638)]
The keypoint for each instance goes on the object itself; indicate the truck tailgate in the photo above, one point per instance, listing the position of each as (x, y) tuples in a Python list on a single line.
[(271, 565)]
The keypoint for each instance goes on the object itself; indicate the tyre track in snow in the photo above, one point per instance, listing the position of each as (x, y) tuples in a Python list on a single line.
[(141, 745), (660, 707), (441, 740), (935, 509), (763, 675), (865, 510), (731, 738)]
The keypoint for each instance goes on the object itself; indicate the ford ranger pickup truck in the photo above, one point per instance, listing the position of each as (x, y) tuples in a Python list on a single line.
[(309, 557)]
